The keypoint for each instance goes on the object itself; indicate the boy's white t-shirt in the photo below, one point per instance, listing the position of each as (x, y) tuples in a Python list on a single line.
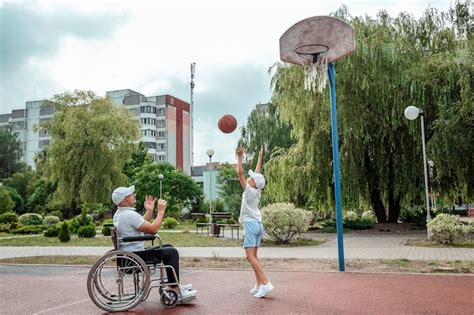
[(127, 221), (249, 210)]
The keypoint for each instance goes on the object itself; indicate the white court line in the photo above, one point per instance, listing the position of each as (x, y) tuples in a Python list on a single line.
[(61, 306)]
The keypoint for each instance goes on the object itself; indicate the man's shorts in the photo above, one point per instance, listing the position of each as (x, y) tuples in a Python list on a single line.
[(253, 233)]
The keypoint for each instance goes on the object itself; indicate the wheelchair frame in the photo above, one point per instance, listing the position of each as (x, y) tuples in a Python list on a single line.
[(120, 280)]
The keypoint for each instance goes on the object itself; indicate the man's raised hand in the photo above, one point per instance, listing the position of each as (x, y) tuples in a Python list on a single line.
[(149, 203)]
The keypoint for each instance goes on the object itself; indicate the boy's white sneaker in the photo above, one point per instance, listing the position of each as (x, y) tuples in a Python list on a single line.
[(264, 290), (255, 289)]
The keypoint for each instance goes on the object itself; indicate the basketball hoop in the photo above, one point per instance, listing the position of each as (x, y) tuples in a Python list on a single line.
[(315, 65), (313, 43)]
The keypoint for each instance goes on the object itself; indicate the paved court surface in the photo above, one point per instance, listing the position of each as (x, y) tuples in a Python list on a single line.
[(62, 290)]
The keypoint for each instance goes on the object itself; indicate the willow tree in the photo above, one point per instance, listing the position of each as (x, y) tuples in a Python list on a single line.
[(91, 141), (398, 62), (264, 128)]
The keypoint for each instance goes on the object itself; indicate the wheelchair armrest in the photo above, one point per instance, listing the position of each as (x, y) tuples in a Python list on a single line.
[(146, 237), (160, 240)]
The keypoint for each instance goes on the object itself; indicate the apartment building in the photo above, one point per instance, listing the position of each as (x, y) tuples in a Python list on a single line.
[(164, 123)]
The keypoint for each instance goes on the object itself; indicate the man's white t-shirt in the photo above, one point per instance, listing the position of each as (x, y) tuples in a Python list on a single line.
[(249, 210), (127, 221)]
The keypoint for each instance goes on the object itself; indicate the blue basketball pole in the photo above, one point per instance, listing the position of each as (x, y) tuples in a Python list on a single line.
[(337, 171)]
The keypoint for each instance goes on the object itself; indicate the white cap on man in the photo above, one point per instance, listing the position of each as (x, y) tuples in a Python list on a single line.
[(258, 178), (121, 193)]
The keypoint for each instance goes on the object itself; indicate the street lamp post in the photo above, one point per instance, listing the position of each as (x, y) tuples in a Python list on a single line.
[(412, 113), (210, 153), (161, 185)]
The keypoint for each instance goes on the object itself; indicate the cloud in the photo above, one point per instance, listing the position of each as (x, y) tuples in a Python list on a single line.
[(30, 35)]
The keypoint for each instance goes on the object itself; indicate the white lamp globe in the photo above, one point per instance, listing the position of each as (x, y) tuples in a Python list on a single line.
[(412, 112), (210, 152)]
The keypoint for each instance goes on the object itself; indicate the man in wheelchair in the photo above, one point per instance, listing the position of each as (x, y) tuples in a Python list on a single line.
[(128, 223)]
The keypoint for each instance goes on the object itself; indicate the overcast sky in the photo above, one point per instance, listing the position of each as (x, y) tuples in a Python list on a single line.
[(48, 47)]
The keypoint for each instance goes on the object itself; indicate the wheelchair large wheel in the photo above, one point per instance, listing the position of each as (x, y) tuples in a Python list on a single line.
[(118, 281)]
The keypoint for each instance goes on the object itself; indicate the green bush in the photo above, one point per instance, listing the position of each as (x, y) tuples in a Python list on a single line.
[(64, 235), (284, 223), (446, 228), (57, 213), (29, 229), (52, 231), (5, 228), (412, 215), (86, 231), (51, 220), (84, 218), (8, 217), (170, 223), (106, 231), (353, 221), (73, 225), (30, 219)]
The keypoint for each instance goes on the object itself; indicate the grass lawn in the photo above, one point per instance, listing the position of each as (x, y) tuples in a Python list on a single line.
[(273, 264), (177, 239), (427, 243)]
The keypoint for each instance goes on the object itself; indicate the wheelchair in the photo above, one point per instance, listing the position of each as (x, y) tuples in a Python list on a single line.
[(120, 280)]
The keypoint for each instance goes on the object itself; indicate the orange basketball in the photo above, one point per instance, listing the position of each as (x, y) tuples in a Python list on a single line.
[(227, 123)]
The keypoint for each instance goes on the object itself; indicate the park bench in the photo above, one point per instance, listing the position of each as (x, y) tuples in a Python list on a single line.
[(200, 226), (216, 229)]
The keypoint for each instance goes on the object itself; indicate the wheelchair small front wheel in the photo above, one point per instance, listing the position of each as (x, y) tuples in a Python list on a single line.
[(169, 298), (118, 281)]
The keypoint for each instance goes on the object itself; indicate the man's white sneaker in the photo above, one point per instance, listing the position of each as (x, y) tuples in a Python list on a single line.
[(187, 295), (255, 289), (185, 287), (264, 290)]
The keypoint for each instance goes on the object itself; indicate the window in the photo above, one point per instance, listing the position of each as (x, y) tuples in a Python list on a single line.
[(43, 133), (150, 145), (161, 146), (147, 121), (161, 111), (43, 143), (18, 124), (148, 132), (161, 158), (161, 123), (161, 134)]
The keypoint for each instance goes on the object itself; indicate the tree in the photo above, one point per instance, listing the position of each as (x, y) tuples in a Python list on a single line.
[(140, 157), (91, 141), (398, 62), (230, 189), (40, 197), (6, 202), (10, 153), (265, 128), (179, 189), (24, 183)]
